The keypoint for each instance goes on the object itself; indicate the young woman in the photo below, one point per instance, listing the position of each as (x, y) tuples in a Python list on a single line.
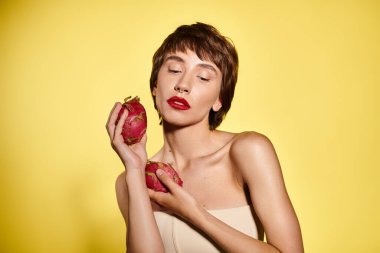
[(233, 188)]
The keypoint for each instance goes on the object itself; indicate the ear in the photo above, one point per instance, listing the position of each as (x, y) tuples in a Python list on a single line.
[(217, 105), (154, 91)]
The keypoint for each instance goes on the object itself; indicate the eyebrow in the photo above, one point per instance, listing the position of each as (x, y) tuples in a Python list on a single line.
[(179, 59)]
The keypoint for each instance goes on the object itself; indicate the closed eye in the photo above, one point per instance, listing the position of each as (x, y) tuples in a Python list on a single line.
[(204, 79), (174, 71)]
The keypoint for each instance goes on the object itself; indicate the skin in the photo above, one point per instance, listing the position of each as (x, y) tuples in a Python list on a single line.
[(215, 174)]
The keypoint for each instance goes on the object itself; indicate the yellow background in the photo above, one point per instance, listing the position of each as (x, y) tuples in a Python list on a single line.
[(309, 80)]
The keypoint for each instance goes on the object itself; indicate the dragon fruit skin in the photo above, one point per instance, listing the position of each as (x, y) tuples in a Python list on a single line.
[(152, 180), (135, 124)]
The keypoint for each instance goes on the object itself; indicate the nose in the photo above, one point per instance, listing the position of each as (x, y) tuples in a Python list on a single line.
[(181, 89), (183, 85)]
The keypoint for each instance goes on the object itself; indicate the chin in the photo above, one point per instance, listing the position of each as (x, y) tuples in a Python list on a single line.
[(176, 121), (181, 122), (182, 118)]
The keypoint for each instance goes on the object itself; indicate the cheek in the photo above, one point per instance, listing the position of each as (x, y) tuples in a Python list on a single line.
[(205, 101), (159, 86), (159, 97), (163, 82), (212, 95)]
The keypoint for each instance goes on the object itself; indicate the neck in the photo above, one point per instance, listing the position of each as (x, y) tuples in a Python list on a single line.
[(183, 144)]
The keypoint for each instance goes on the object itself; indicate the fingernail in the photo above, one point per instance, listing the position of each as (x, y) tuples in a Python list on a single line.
[(159, 172)]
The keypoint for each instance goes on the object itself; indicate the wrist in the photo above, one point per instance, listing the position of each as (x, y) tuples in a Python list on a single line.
[(128, 166), (199, 216), (134, 176)]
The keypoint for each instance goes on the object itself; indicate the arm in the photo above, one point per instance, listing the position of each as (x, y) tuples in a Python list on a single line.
[(131, 190), (227, 238), (134, 204), (255, 158)]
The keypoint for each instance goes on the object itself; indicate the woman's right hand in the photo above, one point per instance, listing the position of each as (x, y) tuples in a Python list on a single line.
[(133, 156)]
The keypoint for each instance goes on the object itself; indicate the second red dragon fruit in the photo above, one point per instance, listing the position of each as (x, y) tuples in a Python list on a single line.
[(152, 180)]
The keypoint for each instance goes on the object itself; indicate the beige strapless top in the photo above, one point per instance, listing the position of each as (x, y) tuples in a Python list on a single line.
[(179, 237)]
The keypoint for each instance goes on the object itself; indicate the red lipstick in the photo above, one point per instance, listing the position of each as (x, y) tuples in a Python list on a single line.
[(178, 103)]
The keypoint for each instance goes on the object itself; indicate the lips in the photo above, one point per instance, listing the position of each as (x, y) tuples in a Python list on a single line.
[(178, 103)]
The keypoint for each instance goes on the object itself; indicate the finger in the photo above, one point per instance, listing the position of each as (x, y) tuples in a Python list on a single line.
[(166, 180), (111, 113), (119, 127), (118, 140), (158, 197), (112, 117), (141, 143), (156, 194), (152, 194)]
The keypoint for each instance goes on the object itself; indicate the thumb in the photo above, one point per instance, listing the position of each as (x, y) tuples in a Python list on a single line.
[(165, 179)]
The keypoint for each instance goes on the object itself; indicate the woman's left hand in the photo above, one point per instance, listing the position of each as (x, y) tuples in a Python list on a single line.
[(177, 200)]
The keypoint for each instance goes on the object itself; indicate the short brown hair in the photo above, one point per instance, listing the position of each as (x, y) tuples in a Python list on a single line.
[(206, 41)]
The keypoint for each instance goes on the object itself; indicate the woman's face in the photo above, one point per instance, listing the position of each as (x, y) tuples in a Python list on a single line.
[(187, 88)]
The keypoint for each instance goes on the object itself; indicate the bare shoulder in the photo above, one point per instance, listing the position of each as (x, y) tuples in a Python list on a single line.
[(254, 157), (122, 194), (253, 152), (120, 181), (250, 142)]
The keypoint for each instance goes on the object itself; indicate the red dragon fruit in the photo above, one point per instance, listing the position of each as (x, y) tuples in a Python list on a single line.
[(153, 182), (135, 124)]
